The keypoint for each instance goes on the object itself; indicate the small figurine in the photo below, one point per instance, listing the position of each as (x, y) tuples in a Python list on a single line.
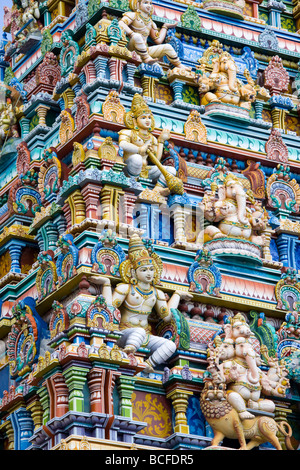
[(137, 140), (229, 211), (221, 84), (139, 26), (236, 363)]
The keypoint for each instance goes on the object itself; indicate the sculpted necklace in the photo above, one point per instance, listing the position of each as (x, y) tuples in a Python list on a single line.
[(143, 138), (146, 20), (144, 294)]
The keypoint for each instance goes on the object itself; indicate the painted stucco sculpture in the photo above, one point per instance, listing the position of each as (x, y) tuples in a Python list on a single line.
[(137, 297), (139, 26), (226, 422), (218, 81), (138, 144), (226, 206), (163, 133), (235, 361)]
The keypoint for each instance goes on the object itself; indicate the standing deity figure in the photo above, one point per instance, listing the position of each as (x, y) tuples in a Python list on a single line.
[(137, 140), (136, 298), (236, 363), (139, 26)]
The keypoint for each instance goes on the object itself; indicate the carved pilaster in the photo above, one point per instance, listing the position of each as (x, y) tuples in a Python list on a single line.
[(36, 410), (180, 403)]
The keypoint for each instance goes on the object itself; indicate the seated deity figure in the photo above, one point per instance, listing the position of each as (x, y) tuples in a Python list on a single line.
[(240, 370), (136, 298), (139, 26), (221, 85), (137, 139), (230, 213)]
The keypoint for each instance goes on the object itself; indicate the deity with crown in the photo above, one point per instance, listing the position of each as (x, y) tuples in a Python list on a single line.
[(137, 140), (236, 362), (139, 26), (237, 223), (219, 85), (137, 297)]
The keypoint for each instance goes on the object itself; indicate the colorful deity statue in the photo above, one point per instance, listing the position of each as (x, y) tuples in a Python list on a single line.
[(139, 26), (236, 363), (137, 140), (8, 120), (137, 297), (227, 208), (31, 14), (218, 82)]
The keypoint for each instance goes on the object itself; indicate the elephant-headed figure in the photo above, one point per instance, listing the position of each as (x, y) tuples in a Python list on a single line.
[(227, 208), (222, 84)]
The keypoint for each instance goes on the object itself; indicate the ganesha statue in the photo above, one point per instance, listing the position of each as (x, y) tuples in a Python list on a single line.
[(233, 214), (8, 120), (236, 362), (218, 82)]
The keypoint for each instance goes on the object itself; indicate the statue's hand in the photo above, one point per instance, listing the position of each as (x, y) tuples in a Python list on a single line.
[(234, 373), (170, 25), (244, 220), (184, 295), (164, 135), (144, 148), (100, 280)]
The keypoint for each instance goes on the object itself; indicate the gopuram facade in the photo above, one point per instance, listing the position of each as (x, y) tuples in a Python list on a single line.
[(149, 225)]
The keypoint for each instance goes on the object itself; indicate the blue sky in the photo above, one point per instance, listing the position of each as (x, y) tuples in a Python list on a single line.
[(4, 3)]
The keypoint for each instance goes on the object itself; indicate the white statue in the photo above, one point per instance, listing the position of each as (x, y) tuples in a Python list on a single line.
[(136, 298)]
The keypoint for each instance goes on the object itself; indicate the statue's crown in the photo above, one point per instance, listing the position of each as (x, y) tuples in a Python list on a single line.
[(231, 177), (138, 253), (139, 106), (238, 319)]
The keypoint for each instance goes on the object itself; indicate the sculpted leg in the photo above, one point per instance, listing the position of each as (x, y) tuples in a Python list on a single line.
[(158, 52), (137, 44), (213, 232), (161, 350), (253, 443), (132, 339), (239, 405), (134, 165), (239, 433), (263, 405), (218, 437)]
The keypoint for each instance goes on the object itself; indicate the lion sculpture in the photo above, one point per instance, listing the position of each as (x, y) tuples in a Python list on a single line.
[(225, 421)]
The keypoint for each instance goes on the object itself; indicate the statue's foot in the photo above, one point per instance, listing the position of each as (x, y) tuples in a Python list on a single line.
[(245, 415), (181, 66), (219, 235), (130, 349), (252, 404), (161, 190), (150, 60), (148, 369)]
